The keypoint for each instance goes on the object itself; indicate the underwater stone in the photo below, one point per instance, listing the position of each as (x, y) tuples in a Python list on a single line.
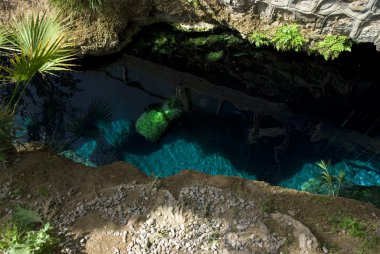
[(151, 125)]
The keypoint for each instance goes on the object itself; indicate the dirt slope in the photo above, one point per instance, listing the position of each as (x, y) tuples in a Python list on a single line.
[(117, 209)]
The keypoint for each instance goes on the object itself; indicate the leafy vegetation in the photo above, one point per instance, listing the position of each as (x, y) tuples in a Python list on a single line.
[(225, 39), (352, 226), (332, 46), (259, 39), (23, 234), (94, 6), (333, 182), (355, 228), (34, 44), (288, 37), (6, 132)]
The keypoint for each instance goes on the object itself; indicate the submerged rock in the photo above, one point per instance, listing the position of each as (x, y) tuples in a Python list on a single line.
[(152, 124)]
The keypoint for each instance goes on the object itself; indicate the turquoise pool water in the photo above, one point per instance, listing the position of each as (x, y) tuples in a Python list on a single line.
[(89, 117)]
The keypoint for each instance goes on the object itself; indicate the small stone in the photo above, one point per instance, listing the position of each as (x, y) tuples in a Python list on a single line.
[(325, 250), (150, 221)]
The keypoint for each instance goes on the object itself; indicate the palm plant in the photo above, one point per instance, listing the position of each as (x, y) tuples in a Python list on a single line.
[(39, 44), (35, 44)]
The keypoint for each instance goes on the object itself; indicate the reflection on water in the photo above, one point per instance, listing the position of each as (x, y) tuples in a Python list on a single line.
[(89, 117)]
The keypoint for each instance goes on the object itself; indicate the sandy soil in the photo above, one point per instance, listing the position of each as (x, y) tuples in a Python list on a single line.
[(55, 186)]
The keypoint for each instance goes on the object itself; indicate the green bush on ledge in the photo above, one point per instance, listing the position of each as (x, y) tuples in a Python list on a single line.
[(332, 45), (258, 39), (288, 37)]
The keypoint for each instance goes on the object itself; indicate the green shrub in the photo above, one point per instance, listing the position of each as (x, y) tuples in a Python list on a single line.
[(332, 46), (33, 44), (259, 39), (288, 37), (23, 234)]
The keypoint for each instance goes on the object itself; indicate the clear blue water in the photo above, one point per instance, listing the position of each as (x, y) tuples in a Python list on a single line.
[(213, 143)]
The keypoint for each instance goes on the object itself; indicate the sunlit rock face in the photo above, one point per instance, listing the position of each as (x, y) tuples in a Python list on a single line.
[(359, 20), (121, 19)]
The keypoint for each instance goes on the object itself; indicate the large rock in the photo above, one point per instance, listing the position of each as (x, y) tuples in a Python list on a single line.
[(121, 19)]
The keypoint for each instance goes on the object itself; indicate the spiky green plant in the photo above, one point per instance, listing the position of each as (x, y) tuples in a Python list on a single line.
[(333, 182), (3, 38), (40, 44), (34, 44), (326, 176), (258, 39)]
